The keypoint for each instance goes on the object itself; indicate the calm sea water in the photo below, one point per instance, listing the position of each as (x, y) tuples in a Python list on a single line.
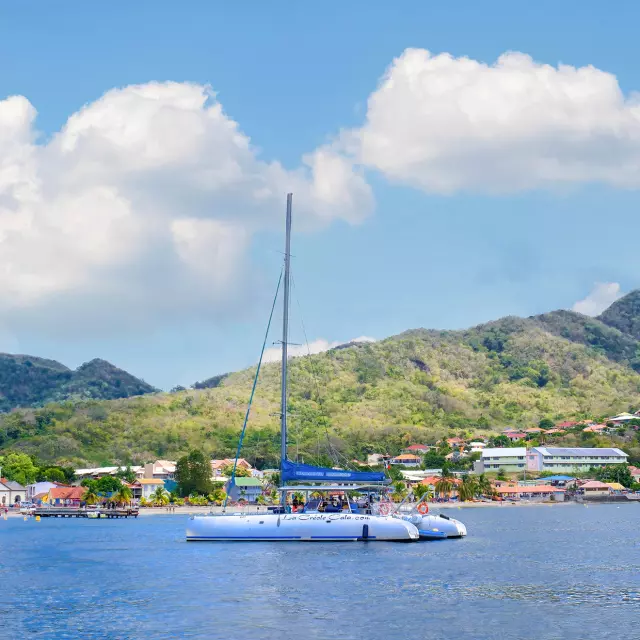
[(565, 573)]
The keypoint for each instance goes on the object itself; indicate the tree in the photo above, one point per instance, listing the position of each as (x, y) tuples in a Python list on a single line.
[(399, 491), (52, 474), (123, 495), (432, 460), (18, 467), (615, 473), (546, 424), (241, 472), (193, 474), (422, 492), (499, 441), (468, 488), (127, 474), (90, 496), (484, 485), (501, 474), (159, 497), (108, 485)]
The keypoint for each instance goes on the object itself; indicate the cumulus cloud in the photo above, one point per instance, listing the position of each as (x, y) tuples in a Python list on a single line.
[(274, 354), (445, 124), (602, 296), (146, 201)]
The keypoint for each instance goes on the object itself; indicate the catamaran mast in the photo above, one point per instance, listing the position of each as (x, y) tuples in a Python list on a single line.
[(285, 338)]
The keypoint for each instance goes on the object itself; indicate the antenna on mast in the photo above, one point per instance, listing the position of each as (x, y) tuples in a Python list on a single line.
[(285, 338)]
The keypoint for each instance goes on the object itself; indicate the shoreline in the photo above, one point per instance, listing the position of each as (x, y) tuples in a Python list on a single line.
[(146, 512)]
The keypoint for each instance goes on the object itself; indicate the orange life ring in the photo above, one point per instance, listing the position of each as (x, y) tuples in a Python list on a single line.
[(384, 509), (423, 508)]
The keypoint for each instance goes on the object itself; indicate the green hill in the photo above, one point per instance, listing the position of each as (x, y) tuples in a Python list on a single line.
[(414, 387), (26, 381), (624, 314)]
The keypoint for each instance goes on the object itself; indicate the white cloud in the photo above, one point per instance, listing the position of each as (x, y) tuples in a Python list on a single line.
[(146, 201), (602, 296), (445, 124), (274, 354)]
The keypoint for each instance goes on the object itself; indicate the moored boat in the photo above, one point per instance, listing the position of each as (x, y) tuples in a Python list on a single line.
[(314, 522)]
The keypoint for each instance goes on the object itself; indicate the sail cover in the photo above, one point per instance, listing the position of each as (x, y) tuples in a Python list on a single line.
[(296, 471)]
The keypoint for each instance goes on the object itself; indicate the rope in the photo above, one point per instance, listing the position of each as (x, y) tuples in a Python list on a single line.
[(334, 453), (253, 390)]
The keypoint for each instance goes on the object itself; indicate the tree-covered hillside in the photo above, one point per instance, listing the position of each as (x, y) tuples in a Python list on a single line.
[(26, 381), (345, 403), (624, 314)]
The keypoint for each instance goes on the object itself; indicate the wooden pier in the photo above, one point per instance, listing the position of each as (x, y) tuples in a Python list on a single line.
[(70, 512)]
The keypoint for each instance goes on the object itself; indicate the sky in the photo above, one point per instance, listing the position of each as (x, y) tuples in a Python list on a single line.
[(451, 163)]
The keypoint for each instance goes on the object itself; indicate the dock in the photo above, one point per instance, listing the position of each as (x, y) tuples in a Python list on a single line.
[(70, 512)]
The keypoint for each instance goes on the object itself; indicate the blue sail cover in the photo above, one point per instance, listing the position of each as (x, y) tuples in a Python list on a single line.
[(296, 471)]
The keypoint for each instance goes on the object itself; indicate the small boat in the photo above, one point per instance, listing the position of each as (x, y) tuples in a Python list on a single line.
[(435, 526), (314, 522)]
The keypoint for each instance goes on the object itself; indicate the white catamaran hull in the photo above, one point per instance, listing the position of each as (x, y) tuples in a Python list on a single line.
[(313, 527), (436, 526)]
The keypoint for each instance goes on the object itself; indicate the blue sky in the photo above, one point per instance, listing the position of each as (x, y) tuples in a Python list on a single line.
[(404, 251)]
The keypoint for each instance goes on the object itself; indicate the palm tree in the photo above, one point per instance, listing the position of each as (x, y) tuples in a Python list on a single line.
[(399, 491), (468, 488), (123, 495), (484, 485), (443, 486), (159, 497), (90, 496)]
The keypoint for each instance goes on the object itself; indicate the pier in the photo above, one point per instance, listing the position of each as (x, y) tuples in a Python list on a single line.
[(70, 512)]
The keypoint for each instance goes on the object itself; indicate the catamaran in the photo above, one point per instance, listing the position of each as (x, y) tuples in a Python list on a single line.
[(330, 512)]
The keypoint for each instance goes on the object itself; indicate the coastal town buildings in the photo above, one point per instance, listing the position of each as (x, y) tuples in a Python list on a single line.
[(64, 496), (407, 460), (418, 449), (509, 459), (38, 488), (537, 492), (594, 489), (244, 489), (149, 486), (160, 470), (94, 473), (572, 459), (11, 492), (217, 466)]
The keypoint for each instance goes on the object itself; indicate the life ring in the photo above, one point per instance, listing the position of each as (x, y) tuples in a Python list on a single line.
[(423, 508), (384, 509)]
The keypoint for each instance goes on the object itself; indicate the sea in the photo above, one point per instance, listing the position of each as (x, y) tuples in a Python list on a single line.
[(565, 572)]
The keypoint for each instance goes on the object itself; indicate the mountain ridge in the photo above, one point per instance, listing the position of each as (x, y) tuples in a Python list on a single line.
[(29, 381), (417, 386)]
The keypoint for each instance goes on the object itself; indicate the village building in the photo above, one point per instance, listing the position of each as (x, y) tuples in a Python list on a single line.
[(526, 492), (476, 447), (149, 486), (64, 496), (11, 492), (594, 489), (374, 459), (635, 473), (509, 459), (622, 418), (95, 473), (244, 489), (160, 470), (419, 449), (572, 459), (217, 466), (41, 487), (407, 459)]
